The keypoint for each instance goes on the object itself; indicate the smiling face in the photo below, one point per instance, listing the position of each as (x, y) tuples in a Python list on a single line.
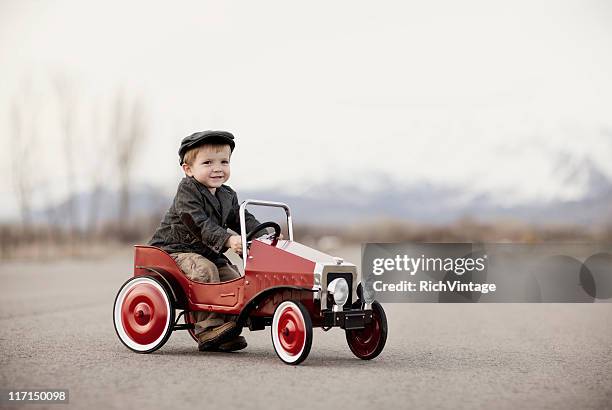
[(210, 166)]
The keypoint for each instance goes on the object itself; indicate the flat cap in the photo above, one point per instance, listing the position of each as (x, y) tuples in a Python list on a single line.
[(203, 137)]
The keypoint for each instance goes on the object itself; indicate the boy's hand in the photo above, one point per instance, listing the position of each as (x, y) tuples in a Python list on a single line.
[(235, 243)]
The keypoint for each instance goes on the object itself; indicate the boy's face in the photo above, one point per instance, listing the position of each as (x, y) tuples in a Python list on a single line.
[(211, 167)]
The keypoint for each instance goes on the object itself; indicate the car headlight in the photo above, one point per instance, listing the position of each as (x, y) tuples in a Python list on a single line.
[(368, 292), (340, 290)]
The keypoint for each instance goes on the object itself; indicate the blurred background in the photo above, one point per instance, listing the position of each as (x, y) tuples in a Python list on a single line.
[(375, 121), (426, 121)]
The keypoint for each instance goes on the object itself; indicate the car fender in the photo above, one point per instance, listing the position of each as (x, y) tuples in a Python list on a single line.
[(170, 283), (263, 295)]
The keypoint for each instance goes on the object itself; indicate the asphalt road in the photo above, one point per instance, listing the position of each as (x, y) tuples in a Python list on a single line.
[(57, 332)]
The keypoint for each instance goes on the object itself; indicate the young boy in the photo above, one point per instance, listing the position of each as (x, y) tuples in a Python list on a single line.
[(211, 208)]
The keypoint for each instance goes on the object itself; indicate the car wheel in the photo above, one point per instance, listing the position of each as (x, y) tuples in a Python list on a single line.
[(143, 314), (291, 332), (367, 343)]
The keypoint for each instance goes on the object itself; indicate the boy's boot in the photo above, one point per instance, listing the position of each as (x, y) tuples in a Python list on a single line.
[(237, 343), (216, 335)]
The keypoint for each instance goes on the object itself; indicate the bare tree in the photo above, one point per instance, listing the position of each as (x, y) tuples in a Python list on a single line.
[(128, 132), (24, 117), (100, 143), (68, 116)]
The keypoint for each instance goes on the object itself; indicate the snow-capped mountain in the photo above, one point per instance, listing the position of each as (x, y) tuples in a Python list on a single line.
[(343, 203)]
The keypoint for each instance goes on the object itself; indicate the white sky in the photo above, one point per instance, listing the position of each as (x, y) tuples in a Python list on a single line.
[(485, 95)]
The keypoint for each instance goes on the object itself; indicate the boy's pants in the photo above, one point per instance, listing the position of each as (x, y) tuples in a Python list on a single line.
[(200, 269)]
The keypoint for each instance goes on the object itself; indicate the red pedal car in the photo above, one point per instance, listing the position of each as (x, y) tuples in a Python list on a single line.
[(285, 285)]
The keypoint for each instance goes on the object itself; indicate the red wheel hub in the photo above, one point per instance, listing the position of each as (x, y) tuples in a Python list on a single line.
[(144, 313), (365, 341), (291, 331)]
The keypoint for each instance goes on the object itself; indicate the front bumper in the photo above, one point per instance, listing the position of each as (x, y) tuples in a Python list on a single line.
[(352, 319)]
